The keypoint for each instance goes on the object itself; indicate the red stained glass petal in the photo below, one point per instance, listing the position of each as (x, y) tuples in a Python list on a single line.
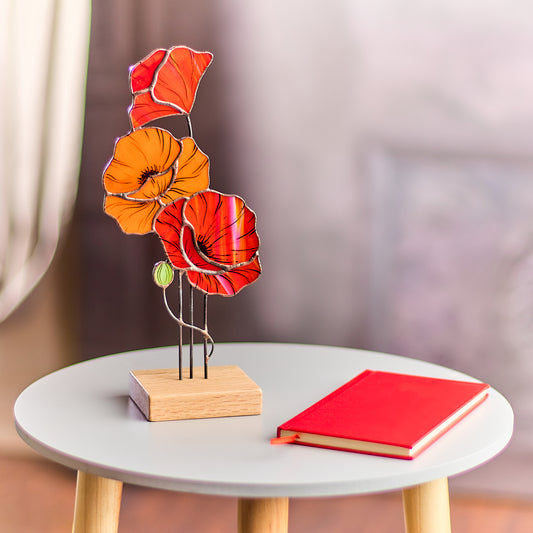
[(224, 227), (229, 283), (132, 216), (189, 244), (177, 80), (144, 109), (179, 241), (168, 226), (142, 73)]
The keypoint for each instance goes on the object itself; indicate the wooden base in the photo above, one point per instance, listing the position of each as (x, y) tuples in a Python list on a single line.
[(161, 395)]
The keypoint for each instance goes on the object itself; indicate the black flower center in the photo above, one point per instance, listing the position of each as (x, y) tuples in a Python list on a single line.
[(148, 174), (203, 247)]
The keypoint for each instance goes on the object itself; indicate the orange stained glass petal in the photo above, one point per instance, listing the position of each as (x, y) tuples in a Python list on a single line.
[(138, 157), (132, 216), (224, 227), (142, 73), (193, 172), (228, 283), (177, 80), (143, 110), (155, 186)]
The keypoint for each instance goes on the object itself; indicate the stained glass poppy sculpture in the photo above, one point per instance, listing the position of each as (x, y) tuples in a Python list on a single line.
[(158, 183)]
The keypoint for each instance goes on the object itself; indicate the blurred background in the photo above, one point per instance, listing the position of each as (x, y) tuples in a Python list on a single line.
[(387, 149)]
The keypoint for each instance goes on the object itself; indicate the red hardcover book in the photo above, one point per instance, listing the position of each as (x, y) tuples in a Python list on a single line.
[(384, 413)]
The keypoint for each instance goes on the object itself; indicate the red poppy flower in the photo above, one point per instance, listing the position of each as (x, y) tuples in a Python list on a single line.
[(165, 83), (213, 237)]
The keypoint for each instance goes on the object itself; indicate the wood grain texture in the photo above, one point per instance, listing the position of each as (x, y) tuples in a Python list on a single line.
[(261, 515), (426, 507), (161, 395), (37, 496), (97, 506)]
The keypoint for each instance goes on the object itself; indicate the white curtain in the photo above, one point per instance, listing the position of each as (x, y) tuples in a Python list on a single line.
[(43, 66)]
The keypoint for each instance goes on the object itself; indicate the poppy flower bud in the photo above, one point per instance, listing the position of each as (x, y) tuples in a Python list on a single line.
[(163, 274)]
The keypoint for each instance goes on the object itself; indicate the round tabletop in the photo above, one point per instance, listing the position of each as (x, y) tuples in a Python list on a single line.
[(81, 416)]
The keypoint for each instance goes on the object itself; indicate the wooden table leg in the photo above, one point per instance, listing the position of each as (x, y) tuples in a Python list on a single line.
[(426, 507), (97, 507), (262, 515)]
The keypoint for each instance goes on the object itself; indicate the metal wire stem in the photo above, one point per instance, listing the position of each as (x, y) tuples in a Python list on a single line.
[(206, 358), (204, 332), (191, 331), (180, 322)]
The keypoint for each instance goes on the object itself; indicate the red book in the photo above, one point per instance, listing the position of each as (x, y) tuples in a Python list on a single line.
[(383, 413)]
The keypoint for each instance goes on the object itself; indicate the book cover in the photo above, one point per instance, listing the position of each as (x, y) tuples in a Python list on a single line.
[(384, 413)]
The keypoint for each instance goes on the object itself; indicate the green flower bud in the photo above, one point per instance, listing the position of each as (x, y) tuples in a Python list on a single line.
[(163, 274)]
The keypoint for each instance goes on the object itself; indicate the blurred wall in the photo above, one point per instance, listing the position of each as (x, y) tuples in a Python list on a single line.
[(387, 151)]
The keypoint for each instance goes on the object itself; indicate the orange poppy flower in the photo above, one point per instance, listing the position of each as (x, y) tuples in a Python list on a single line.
[(165, 83), (150, 169), (213, 237)]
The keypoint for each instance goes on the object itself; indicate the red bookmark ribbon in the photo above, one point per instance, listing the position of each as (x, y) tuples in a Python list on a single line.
[(288, 439)]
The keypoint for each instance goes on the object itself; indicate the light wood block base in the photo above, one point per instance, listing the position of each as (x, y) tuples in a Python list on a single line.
[(426, 507), (261, 515), (161, 395), (97, 507)]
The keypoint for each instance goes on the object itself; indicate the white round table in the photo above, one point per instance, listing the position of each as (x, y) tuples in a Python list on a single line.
[(81, 416)]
